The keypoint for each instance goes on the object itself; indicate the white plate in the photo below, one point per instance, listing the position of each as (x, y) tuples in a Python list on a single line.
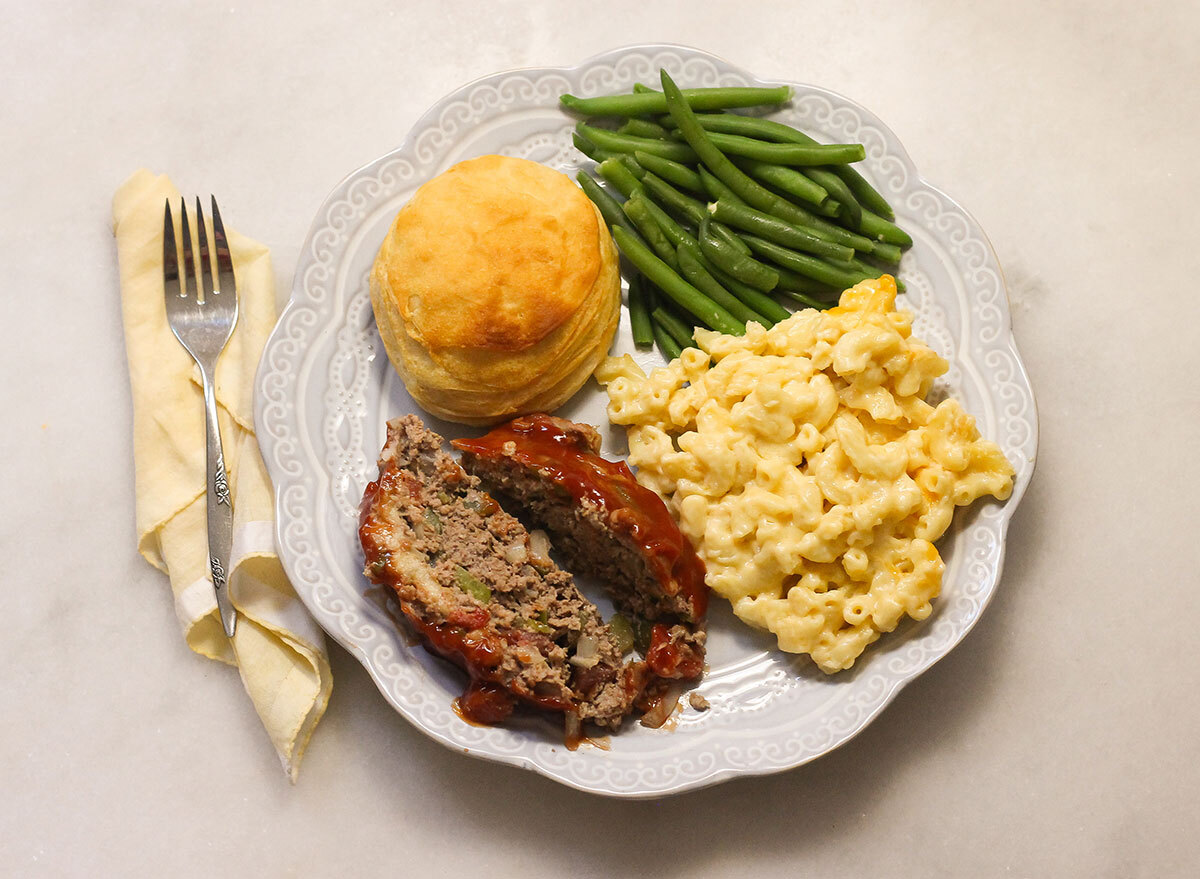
[(325, 388)]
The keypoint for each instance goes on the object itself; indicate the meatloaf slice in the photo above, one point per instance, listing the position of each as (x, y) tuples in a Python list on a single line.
[(605, 525), (483, 594)]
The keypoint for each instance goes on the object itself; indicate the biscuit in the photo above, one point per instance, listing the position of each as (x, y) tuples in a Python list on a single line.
[(496, 291)]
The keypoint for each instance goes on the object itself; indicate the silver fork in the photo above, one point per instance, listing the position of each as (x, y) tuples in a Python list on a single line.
[(202, 317)]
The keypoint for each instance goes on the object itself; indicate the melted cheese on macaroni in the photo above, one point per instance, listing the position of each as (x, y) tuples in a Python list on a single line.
[(806, 467)]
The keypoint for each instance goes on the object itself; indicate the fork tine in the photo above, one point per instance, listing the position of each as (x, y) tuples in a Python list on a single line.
[(221, 243), (189, 264), (204, 276), (170, 253)]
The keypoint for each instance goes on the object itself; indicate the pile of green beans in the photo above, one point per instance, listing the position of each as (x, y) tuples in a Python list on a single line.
[(721, 212)]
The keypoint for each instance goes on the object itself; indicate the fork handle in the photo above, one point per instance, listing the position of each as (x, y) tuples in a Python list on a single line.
[(220, 509)]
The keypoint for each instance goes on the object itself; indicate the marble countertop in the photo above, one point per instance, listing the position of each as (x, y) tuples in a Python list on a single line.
[(1059, 739)]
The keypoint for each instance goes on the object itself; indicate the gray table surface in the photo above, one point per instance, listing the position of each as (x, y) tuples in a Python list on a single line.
[(1060, 739)]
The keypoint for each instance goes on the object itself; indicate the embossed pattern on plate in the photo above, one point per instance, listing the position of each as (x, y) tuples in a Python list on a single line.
[(324, 390)]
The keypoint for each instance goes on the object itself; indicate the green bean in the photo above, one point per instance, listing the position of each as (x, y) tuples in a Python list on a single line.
[(752, 126), (670, 197), (640, 88), (718, 191), (774, 229), (627, 143), (643, 128), (788, 153), (807, 300), (880, 229), (822, 228), (652, 295), (609, 207), (831, 208), (805, 154), (618, 174), (735, 263), (666, 222), (639, 313), (635, 209), (631, 163), (789, 180), (867, 195), (796, 215), (888, 253), (873, 271), (810, 266), (669, 347), (851, 210), (724, 233), (746, 189), (588, 148), (677, 329), (625, 159), (759, 303), (674, 287), (672, 172), (692, 267), (793, 282), (768, 129), (655, 102), (755, 299)]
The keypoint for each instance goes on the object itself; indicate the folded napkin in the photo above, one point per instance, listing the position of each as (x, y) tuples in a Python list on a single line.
[(278, 649)]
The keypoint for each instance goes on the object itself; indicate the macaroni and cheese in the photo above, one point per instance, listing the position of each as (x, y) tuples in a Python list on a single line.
[(806, 467)]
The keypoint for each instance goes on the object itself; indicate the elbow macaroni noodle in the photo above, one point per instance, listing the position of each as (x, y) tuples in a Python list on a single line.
[(807, 469)]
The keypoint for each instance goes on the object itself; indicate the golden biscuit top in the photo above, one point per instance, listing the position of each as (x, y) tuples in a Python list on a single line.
[(496, 253)]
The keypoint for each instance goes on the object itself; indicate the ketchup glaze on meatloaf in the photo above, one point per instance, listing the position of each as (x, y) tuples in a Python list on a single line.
[(605, 524)]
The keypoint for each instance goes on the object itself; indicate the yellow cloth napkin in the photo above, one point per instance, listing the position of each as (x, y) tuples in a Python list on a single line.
[(278, 648)]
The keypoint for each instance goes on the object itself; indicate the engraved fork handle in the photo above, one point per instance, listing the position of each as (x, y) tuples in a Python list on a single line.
[(220, 507)]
